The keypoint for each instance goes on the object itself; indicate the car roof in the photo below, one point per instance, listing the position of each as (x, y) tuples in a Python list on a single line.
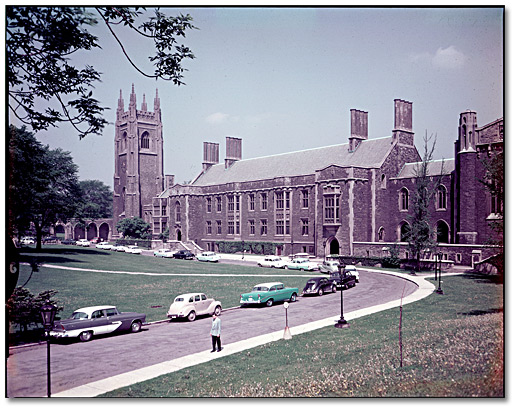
[(268, 284), (189, 295), (316, 278), (94, 308)]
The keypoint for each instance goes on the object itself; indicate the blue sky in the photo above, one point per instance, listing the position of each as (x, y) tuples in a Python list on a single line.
[(285, 79)]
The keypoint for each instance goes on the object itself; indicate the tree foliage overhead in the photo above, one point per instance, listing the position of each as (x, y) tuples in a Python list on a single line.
[(40, 42)]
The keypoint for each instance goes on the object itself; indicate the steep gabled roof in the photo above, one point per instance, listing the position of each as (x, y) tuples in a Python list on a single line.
[(446, 166), (369, 154)]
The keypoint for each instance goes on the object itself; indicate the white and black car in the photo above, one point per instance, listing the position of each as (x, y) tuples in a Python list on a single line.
[(92, 321)]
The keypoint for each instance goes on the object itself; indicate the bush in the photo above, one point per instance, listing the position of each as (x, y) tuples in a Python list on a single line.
[(253, 247)]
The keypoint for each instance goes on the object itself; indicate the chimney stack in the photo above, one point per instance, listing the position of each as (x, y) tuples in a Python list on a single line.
[(403, 132), (358, 128), (233, 151), (210, 155), (169, 181)]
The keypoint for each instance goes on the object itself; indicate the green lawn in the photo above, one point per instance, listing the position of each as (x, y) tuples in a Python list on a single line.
[(452, 343), (150, 294), (452, 347)]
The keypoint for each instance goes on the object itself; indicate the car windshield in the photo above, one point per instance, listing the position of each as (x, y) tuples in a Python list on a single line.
[(259, 288), (78, 315), (179, 299), (311, 283)]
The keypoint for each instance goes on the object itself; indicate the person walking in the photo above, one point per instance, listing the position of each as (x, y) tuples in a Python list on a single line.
[(215, 334)]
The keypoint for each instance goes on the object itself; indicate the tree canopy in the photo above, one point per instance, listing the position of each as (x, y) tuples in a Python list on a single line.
[(42, 184), (95, 201), (134, 228), (40, 42)]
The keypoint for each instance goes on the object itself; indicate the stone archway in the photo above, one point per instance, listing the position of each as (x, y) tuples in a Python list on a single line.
[(91, 231), (179, 235), (104, 231), (79, 232)]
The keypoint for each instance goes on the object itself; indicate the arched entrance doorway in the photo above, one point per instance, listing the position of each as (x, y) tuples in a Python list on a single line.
[(334, 247), (179, 235)]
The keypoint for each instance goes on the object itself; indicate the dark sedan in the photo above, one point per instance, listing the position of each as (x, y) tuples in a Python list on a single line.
[(348, 280), (102, 319), (319, 285), (184, 255)]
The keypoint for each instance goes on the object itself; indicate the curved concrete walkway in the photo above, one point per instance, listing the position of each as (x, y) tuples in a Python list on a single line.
[(96, 388)]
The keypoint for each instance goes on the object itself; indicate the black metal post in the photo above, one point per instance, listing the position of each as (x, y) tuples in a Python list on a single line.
[(436, 262), (439, 289), (48, 363), (342, 323)]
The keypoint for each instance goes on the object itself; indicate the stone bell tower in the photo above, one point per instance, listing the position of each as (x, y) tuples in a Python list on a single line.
[(139, 169)]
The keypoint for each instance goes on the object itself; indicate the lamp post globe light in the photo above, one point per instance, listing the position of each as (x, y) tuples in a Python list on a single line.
[(342, 323), (48, 312)]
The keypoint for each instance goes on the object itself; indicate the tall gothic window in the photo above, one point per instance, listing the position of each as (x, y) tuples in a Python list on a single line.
[(177, 211), (403, 199), (442, 196), (331, 205), (145, 140)]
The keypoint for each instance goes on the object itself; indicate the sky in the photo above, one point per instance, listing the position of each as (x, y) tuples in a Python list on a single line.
[(285, 79)]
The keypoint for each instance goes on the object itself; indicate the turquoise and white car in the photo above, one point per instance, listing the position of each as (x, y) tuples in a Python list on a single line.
[(208, 256), (268, 294), (302, 264)]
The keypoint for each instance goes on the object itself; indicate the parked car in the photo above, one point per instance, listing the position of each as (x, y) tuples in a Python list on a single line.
[(272, 261), (329, 266), (27, 241), (302, 264), (268, 294), (120, 248), (163, 252), (68, 242), (184, 255), (347, 281), (51, 240), (192, 305), (92, 321), (104, 245), (133, 249), (319, 285), (208, 256), (83, 243), (353, 270)]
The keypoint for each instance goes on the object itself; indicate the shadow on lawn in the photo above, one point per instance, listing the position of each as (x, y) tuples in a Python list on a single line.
[(56, 256), (483, 278)]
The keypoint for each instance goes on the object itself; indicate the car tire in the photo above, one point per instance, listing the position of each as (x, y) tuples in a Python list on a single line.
[(320, 292), (269, 303), (192, 316), (85, 336), (218, 310), (293, 298), (334, 288), (136, 326), (286, 267)]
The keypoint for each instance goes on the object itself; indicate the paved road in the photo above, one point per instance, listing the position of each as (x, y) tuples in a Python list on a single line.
[(74, 364)]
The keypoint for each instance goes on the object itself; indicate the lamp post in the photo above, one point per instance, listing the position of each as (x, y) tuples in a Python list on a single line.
[(439, 288), (342, 323), (48, 312), (286, 333)]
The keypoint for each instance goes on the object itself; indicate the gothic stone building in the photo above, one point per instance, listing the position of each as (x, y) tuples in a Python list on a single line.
[(352, 198)]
